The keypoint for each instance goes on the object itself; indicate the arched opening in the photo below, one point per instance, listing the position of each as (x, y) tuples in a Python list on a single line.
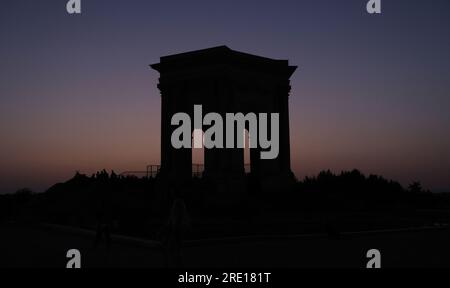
[(198, 153), (247, 151)]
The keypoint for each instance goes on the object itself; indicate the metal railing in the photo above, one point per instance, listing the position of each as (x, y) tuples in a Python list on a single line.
[(197, 170), (153, 170)]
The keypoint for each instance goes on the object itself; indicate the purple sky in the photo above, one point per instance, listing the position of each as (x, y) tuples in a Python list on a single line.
[(371, 92)]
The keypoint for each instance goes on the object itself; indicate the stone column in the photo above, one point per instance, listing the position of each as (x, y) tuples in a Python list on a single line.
[(285, 163), (175, 163)]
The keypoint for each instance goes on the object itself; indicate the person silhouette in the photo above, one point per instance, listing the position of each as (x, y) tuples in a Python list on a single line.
[(103, 229), (104, 220), (178, 224)]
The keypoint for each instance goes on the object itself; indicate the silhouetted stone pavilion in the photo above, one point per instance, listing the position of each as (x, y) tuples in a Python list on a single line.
[(224, 81)]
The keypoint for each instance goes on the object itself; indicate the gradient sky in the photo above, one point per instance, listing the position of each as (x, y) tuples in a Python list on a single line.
[(371, 92)]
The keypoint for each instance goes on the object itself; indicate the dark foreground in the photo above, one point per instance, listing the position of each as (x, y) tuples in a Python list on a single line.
[(22, 246)]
